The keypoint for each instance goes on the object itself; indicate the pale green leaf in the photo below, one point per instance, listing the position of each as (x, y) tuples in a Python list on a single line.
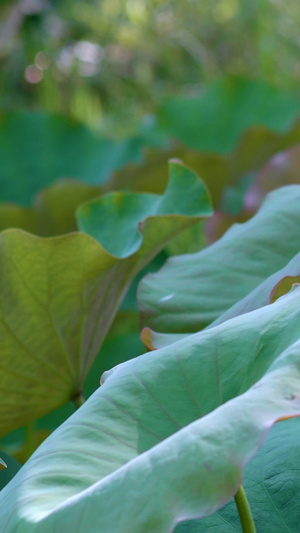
[(141, 455), (272, 484), (267, 292), (191, 291)]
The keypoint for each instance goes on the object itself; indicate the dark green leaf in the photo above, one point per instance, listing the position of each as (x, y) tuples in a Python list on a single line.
[(216, 120), (37, 149)]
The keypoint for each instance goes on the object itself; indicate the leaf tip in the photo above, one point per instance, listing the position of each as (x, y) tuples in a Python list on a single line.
[(285, 285), (146, 338), (3, 464)]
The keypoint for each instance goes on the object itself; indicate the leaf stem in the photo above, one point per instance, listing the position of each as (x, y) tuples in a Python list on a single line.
[(244, 511)]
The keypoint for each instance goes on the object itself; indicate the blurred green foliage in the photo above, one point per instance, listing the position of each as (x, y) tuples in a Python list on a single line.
[(108, 62)]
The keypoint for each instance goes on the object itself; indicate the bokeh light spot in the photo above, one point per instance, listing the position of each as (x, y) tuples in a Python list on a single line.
[(33, 74)]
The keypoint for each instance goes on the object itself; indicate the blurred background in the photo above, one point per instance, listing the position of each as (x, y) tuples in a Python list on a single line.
[(110, 62)]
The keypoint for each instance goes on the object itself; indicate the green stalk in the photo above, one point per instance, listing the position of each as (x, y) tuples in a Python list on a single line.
[(244, 511)]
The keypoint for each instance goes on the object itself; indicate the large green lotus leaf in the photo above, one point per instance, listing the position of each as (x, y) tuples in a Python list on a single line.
[(228, 107), (36, 149), (48, 317), (153, 446), (267, 292), (191, 291), (189, 241), (150, 175), (53, 209), (59, 296), (272, 484), (185, 196)]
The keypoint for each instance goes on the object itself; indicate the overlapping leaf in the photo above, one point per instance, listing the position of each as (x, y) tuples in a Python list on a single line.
[(272, 484), (59, 296), (267, 292), (122, 465), (191, 291), (184, 196)]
